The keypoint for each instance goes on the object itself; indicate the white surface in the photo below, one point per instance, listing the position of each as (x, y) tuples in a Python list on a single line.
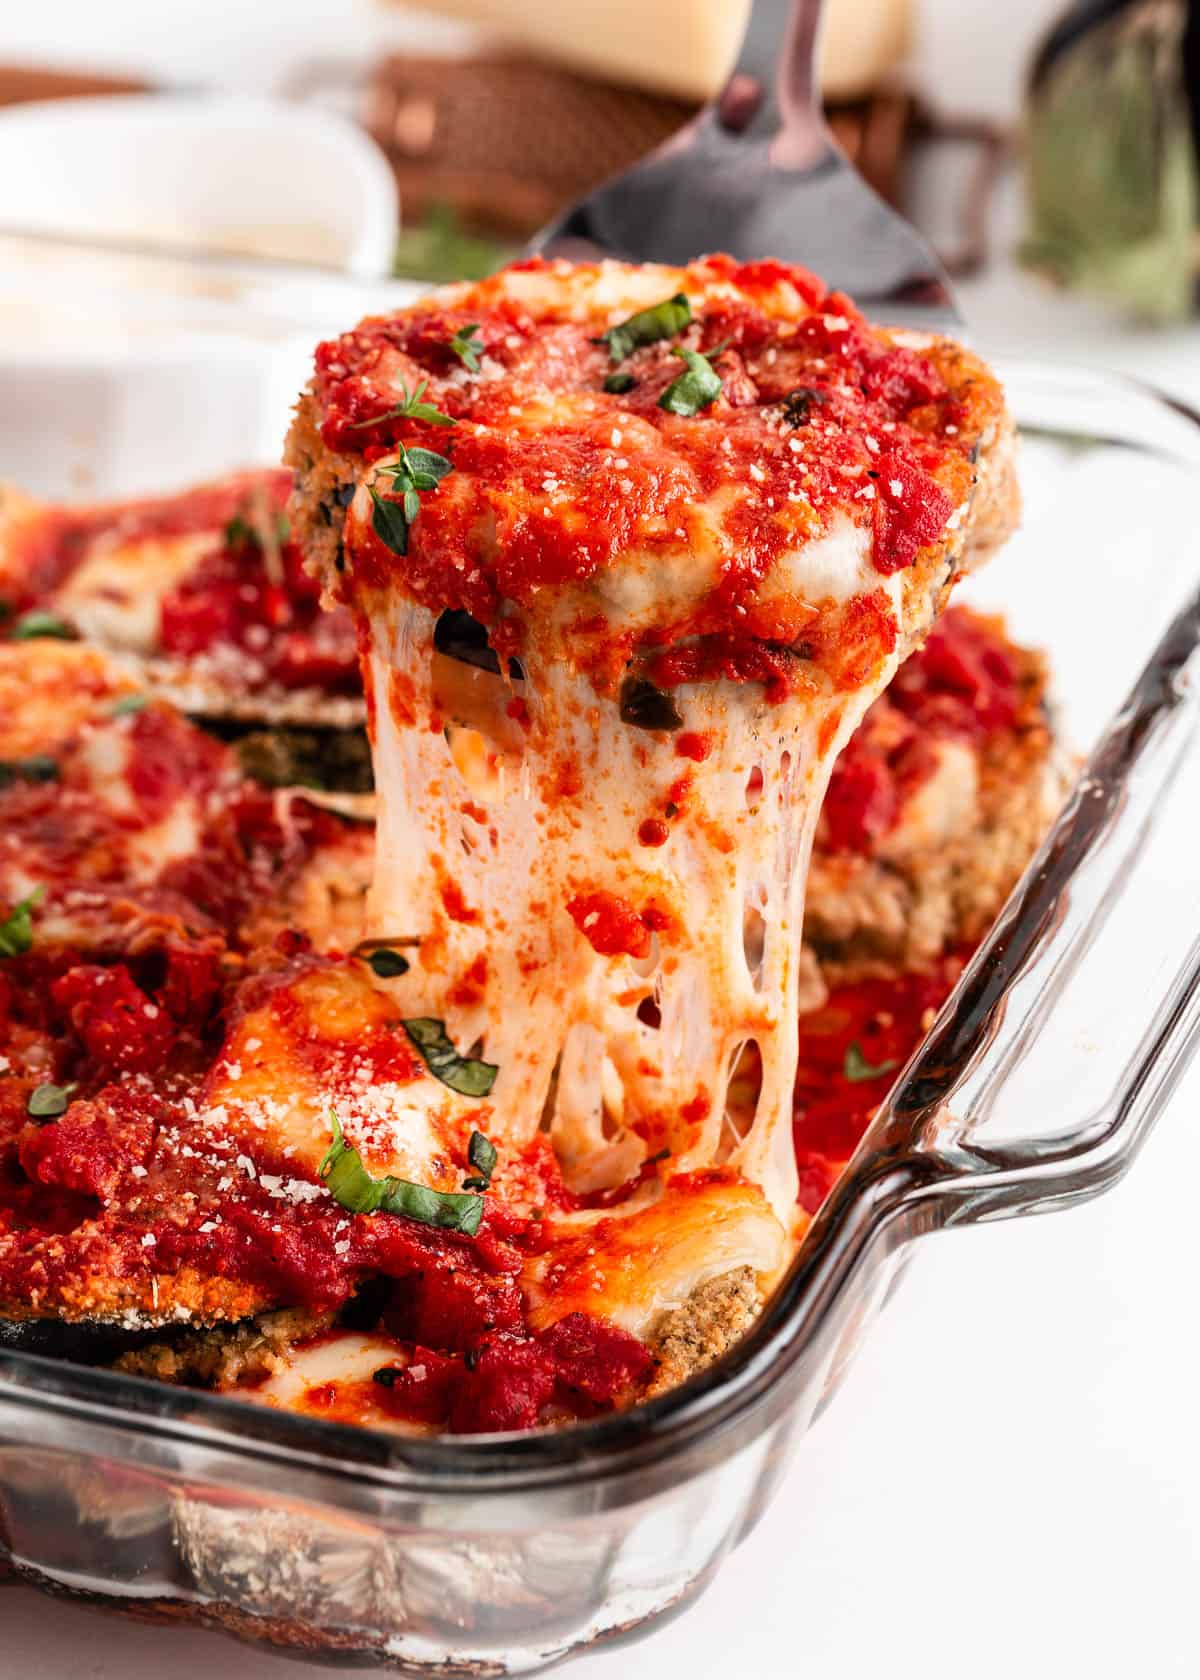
[(217, 173), (1009, 1484)]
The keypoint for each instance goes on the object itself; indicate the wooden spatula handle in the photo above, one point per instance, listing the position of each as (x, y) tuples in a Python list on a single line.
[(19, 84)]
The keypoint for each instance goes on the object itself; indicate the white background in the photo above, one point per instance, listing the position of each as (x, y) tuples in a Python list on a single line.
[(1009, 1483)]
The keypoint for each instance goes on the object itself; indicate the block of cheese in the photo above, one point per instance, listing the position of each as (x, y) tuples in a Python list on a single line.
[(686, 47)]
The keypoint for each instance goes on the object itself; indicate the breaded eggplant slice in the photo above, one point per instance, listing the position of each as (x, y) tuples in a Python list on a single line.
[(132, 824), (936, 805), (201, 594)]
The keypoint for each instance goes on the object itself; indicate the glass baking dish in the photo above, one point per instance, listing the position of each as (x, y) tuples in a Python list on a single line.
[(1044, 1071)]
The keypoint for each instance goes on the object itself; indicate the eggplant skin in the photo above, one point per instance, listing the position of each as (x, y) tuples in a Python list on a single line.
[(96, 1313), (217, 1356), (87, 1341), (327, 760)]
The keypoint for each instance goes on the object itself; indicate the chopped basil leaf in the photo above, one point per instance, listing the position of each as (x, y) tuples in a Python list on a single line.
[(39, 767), (386, 1375), (695, 389), (461, 1073), (410, 407), (240, 529), (5, 609), (464, 349), (38, 623), (648, 326), (349, 1183), (388, 964), (619, 383), (481, 1153), (129, 705), (16, 930), (646, 707), (389, 523), (857, 1069), (49, 1101)]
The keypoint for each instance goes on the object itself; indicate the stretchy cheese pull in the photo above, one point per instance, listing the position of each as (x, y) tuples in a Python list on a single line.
[(623, 597)]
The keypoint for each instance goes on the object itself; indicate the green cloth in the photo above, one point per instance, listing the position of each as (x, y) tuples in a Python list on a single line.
[(1112, 169)]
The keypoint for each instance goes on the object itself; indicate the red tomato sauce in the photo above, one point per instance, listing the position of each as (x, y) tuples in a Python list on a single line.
[(278, 625), (268, 616), (612, 925), (53, 544), (964, 684), (729, 659), (851, 1050), (577, 1368)]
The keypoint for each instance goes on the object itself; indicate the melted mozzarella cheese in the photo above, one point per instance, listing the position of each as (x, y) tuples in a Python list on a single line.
[(835, 566), (103, 756), (942, 808), (635, 1267), (49, 691), (267, 1087), (177, 835), (115, 596), (482, 872), (313, 1377)]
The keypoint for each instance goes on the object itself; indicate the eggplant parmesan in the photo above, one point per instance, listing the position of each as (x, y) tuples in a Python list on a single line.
[(203, 595), (935, 806), (143, 879), (629, 555)]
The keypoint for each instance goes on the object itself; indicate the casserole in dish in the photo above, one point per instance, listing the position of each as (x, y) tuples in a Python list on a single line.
[(493, 1556), (522, 1150)]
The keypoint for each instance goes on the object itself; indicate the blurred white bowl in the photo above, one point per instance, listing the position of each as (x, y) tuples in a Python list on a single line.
[(146, 419), (254, 176)]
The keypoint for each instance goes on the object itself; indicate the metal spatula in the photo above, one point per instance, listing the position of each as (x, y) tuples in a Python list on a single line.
[(757, 173)]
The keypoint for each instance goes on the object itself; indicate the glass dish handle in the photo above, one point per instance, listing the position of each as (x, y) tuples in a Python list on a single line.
[(1087, 990)]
